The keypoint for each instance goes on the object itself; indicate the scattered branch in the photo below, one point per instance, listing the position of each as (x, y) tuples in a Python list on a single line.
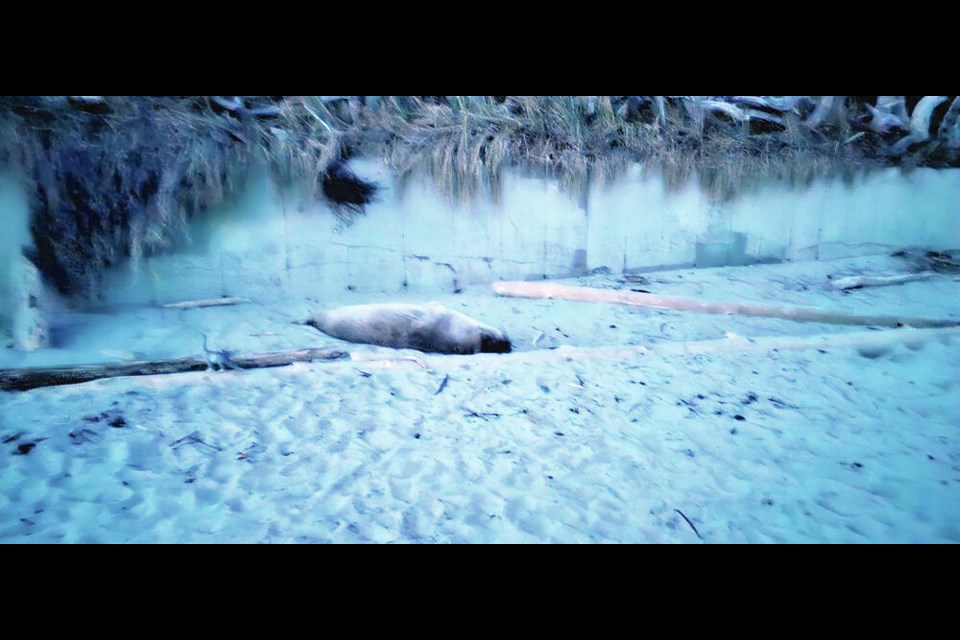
[(919, 124), (692, 526)]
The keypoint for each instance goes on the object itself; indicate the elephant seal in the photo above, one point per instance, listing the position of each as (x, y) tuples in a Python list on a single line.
[(431, 328)]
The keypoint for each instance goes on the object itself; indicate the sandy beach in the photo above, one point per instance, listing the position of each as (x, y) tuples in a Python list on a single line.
[(579, 436)]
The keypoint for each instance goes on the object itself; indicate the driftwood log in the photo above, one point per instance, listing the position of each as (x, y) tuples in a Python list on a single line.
[(858, 282), (32, 378), (788, 312), (209, 302)]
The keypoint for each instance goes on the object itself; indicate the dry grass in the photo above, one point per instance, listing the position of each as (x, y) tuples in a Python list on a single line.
[(465, 143), (120, 181)]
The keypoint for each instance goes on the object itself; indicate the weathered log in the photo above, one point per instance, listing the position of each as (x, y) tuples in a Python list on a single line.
[(825, 106), (920, 121), (787, 312), (857, 282), (32, 378), (890, 113), (210, 302)]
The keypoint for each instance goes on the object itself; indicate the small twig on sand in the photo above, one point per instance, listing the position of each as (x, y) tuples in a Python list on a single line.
[(476, 414), (443, 385), (692, 526)]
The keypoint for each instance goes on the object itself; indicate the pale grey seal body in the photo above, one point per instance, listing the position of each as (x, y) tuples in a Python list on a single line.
[(432, 328)]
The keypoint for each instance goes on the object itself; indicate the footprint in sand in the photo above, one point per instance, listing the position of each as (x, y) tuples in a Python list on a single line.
[(380, 439), (402, 490), (343, 439), (415, 527), (404, 468)]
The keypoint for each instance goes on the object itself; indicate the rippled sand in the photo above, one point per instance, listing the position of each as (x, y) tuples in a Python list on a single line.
[(777, 446)]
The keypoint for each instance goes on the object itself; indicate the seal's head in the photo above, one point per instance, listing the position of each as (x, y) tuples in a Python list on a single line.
[(494, 342)]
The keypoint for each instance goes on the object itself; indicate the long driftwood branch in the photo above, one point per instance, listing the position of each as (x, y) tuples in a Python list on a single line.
[(857, 282), (26, 379), (210, 302), (787, 312)]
